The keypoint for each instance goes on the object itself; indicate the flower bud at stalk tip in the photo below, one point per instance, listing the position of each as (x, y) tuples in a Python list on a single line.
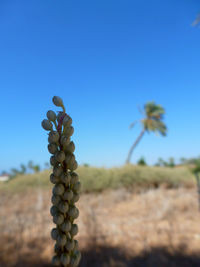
[(57, 101)]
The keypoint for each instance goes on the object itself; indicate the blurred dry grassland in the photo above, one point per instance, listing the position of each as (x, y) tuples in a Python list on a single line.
[(118, 226)]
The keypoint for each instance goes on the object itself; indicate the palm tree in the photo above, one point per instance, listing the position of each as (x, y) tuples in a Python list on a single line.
[(152, 122)]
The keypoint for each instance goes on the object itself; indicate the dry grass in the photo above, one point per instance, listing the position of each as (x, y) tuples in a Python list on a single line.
[(118, 228)]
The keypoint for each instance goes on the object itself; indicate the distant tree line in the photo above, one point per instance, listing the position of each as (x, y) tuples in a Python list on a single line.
[(163, 163), (159, 163), (194, 162), (31, 167)]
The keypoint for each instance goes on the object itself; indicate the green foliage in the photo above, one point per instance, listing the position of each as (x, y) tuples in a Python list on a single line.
[(190, 161), (162, 163), (86, 165), (183, 160), (142, 162), (135, 177), (30, 164), (47, 165), (23, 169), (194, 161), (14, 173), (153, 118), (99, 179), (171, 162), (196, 168), (34, 167)]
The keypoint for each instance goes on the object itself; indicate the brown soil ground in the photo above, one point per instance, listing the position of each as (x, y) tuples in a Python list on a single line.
[(116, 229)]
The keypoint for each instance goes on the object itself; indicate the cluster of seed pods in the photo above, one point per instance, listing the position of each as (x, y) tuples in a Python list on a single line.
[(66, 186)]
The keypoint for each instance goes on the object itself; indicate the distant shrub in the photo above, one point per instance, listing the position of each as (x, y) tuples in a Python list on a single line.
[(141, 162), (98, 179)]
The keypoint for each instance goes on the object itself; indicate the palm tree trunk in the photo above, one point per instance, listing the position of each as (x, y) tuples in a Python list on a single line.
[(134, 145)]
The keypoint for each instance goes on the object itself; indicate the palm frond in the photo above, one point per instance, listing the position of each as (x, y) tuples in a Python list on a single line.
[(197, 21), (132, 124), (140, 110), (154, 116), (161, 128), (153, 110)]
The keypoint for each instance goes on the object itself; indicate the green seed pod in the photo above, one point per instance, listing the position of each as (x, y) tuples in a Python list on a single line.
[(69, 245), (53, 148), (74, 177), (51, 115), (76, 214), (54, 210), (56, 261), (57, 248), (75, 245), (57, 170), (60, 156), (72, 262), (62, 240), (47, 125), (77, 257), (55, 199), (58, 189), (75, 198), (75, 260), (54, 179), (58, 219), (63, 207), (53, 137), (65, 178), (66, 226), (50, 140), (69, 131), (65, 259), (57, 101), (74, 230), (53, 161), (69, 159), (64, 141), (54, 233), (71, 147), (72, 211), (67, 121), (77, 187), (73, 166), (68, 195)]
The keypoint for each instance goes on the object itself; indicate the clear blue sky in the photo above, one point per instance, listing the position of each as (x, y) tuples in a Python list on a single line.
[(104, 58)]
